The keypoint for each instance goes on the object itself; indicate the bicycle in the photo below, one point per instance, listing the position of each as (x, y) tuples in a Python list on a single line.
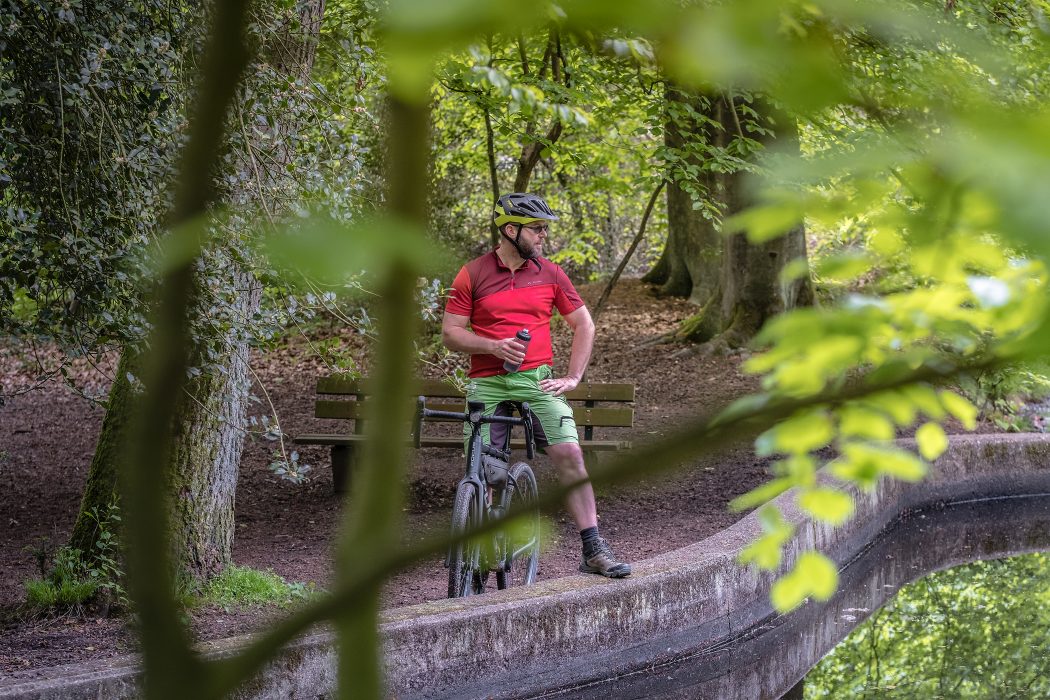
[(491, 488)]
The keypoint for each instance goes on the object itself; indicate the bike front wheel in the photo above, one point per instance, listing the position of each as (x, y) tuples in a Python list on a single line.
[(521, 555), (465, 575)]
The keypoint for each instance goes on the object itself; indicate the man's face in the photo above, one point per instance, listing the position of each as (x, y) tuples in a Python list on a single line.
[(532, 236)]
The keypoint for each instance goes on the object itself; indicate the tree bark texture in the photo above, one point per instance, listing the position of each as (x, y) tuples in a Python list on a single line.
[(101, 487), (209, 430), (689, 264), (750, 290)]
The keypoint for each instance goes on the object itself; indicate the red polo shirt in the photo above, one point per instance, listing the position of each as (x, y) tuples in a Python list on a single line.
[(500, 303)]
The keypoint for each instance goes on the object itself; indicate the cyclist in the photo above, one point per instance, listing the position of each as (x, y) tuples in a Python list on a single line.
[(495, 296)]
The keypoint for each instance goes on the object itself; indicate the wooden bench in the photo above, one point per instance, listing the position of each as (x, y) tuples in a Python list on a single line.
[(346, 399)]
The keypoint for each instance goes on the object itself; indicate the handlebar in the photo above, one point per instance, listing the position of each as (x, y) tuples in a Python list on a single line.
[(469, 416)]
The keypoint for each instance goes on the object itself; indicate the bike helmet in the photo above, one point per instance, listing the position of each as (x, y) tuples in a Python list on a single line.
[(521, 208)]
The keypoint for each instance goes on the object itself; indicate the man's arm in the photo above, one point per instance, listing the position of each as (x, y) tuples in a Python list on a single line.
[(459, 338), (582, 342)]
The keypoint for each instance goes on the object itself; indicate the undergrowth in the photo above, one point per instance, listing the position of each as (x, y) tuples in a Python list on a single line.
[(244, 586), (69, 579)]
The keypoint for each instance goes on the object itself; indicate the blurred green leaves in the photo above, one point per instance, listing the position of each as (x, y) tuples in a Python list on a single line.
[(331, 251), (827, 505), (813, 575), (765, 552)]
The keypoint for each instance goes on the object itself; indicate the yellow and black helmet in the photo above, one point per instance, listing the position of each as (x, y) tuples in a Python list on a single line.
[(521, 208)]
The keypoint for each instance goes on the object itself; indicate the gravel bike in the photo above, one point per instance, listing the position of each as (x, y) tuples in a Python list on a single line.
[(490, 489)]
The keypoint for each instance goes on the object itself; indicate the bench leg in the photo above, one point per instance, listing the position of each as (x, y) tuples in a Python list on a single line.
[(342, 461)]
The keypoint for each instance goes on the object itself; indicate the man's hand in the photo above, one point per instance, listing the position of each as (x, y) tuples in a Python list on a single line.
[(510, 349), (559, 386)]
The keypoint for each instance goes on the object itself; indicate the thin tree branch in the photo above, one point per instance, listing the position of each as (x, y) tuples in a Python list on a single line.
[(522, 55), (630, 251)]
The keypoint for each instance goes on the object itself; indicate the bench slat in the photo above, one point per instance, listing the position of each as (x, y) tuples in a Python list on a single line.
[(336, 384), (607, 417), (601, 392), (517, 443)]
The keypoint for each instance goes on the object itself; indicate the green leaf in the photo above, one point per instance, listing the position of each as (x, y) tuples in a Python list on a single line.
[(813, 575), (797, 435), (862, 422), (931, 440), (795, 269), (761, 494), (864, 463), (765, 223), (821, 572), (896, 404), (925, 398), (787, 593), (743, 406), (827, 505), (961, 408), (765, 552)]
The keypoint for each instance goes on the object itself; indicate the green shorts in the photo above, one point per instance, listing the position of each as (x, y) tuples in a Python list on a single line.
[(553, 421)]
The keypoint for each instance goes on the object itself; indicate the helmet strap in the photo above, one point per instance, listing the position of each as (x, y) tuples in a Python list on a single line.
[(517, 246)]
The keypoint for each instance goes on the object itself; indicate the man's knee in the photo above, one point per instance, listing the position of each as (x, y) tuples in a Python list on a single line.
[(567, 457)]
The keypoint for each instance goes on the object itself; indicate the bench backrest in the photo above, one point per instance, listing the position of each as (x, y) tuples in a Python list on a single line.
[(588, 416)]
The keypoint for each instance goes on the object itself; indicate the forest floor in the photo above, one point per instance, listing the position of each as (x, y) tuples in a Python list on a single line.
[(47, 437)]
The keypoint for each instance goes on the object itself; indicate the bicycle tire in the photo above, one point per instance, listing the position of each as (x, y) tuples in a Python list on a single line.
[(524, 544), (465, 576)]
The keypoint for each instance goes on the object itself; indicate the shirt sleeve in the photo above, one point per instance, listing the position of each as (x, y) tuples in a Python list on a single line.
[(566, 298), (460, 298)]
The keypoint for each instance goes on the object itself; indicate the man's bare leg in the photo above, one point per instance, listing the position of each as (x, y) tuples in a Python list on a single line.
[(567, 458), (598, 557)]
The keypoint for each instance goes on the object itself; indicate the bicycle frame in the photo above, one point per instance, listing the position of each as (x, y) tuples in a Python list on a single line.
[(477, 451)]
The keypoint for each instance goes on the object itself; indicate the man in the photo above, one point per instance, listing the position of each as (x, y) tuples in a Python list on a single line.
[(495, 296)]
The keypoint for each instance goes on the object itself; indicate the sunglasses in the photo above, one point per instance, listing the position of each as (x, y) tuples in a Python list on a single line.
[(538, 228)]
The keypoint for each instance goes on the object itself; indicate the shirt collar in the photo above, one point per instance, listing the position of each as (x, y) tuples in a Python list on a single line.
[(503, 266), (499, 262)]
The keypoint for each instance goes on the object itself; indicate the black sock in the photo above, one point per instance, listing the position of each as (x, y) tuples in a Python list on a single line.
[(590, 538)]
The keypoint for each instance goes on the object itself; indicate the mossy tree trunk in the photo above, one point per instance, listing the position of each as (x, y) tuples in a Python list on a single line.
[(209, 430), (689, 264), (749, 288), (101, 487)]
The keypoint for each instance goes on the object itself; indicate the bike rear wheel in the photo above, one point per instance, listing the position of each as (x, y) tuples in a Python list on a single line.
[(465, 575), (521, 556)]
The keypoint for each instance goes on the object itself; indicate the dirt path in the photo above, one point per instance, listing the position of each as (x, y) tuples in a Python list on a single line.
[(47, 438)]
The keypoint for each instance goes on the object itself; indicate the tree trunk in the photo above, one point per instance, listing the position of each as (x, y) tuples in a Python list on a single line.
[(209, 430), (750, 290), (101, 487), (209, 424), (689, 264)]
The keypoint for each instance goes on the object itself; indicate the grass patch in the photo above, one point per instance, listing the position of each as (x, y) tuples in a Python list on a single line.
[(49, 594), (67, 585), (243, 586)]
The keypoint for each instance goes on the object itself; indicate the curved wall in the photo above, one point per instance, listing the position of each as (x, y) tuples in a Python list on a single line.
[(571, 633)]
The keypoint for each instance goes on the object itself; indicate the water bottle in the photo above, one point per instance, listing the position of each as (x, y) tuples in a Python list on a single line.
[(523, 338)]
